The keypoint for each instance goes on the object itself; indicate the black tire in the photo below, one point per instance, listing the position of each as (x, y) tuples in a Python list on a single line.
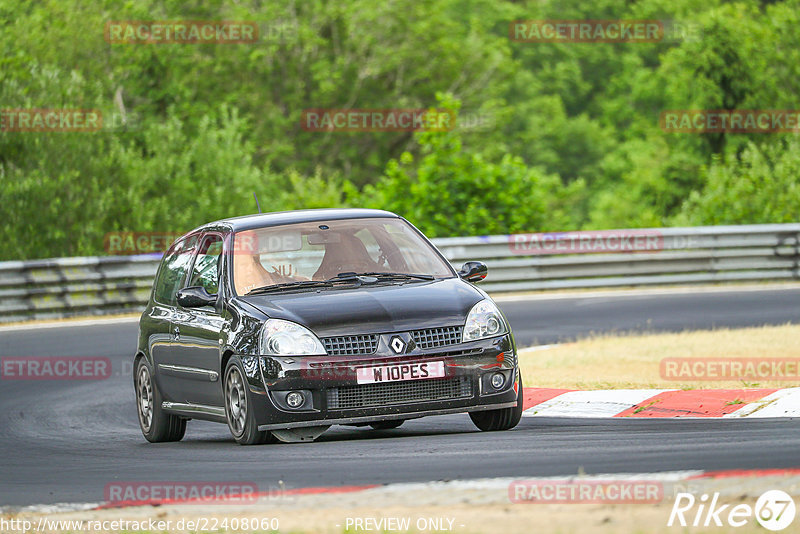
[(156, 424), (238, 404), (502, 419), (387, 425)]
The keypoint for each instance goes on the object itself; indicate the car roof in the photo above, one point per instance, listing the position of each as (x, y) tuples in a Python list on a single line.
[(260, 220)]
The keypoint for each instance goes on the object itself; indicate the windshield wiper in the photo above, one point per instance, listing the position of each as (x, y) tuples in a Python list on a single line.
[(398, 276), (290, 285), (347, 278)]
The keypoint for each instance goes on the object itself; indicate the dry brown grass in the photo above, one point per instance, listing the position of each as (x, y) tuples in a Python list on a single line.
[(614, 362)]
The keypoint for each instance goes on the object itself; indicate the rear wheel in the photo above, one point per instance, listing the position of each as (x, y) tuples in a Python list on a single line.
[(238, 407), (156, 424), (502, 419), (387, 425)]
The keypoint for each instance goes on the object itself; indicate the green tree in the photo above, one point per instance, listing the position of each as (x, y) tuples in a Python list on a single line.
[(448, 191), (761, 186)]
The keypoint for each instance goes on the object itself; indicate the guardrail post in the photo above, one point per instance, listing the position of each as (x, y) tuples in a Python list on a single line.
[(791, 239)]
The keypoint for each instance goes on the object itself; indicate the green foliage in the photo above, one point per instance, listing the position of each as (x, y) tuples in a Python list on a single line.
[(206, 173), (761, 186), (165, 180), (567, 136), (450, 191)]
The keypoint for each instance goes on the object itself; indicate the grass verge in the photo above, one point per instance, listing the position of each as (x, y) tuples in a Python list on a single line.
[(633, 361)]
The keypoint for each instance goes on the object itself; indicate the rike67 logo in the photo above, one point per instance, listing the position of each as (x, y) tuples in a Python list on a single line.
[(774, 510)]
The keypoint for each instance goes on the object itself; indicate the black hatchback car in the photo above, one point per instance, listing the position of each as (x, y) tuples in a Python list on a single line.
[(283, 324)]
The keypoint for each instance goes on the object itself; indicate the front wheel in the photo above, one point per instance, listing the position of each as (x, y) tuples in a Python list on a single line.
[(502, 419), (238, 407), (156, 424)]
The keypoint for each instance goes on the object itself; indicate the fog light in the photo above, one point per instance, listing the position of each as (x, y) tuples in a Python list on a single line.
[(498, 380), (295, 399)]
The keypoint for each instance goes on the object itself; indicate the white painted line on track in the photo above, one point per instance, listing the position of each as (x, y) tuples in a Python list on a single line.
[(782, 403), (600, 403)]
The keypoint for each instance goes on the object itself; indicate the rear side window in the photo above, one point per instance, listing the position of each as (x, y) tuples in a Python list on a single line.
[(173, 270)]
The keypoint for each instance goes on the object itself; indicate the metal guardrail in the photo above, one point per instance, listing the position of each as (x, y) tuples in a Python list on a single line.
[(524, 262)]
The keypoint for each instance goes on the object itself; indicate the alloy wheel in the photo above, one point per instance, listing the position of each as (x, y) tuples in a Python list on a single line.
[(236, 401), (144, 398)]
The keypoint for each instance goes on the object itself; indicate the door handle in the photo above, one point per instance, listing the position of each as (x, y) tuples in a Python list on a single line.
[(176, 333)]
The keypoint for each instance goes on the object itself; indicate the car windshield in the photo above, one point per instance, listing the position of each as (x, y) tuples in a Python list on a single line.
[(387, 248)]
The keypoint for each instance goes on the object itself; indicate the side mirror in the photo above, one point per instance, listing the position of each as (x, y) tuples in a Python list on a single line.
[(473, 271), (195, 297)]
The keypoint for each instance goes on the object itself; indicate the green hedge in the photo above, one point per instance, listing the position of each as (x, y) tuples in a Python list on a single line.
[(551, 136)]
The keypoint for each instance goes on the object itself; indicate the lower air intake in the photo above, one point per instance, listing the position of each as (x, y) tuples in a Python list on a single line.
[(372, 395)]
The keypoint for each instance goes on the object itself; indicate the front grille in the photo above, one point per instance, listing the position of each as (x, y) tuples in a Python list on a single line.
[(437, 337), (370, 395), (351, 345)]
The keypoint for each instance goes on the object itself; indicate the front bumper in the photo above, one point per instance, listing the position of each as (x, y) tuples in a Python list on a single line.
[(333, 395)]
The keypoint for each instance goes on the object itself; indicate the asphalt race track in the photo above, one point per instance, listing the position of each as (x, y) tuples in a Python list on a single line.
[(63, 441), (551, 321)]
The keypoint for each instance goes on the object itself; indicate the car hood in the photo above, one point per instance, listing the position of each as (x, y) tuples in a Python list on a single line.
[(374, 308)]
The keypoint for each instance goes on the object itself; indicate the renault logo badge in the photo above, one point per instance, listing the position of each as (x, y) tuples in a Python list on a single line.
[(397, 345)]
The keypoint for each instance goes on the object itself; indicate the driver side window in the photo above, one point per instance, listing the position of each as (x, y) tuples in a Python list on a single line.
[(206, 267)]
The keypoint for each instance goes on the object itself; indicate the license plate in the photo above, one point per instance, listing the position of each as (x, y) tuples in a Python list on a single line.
[(399, 372)]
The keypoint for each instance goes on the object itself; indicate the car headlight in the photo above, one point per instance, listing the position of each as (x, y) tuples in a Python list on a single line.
[(484, 320), (285, 338)]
